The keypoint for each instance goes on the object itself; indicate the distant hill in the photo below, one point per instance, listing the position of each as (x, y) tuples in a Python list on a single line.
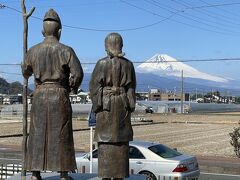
[(10, 88), (146, 81)]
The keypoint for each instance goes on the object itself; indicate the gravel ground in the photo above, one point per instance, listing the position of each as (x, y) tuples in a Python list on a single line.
[(196, 134)]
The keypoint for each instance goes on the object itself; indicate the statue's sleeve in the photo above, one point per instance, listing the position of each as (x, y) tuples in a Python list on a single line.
[(96, 88), (131, 89), (76, 72), (26, 66)]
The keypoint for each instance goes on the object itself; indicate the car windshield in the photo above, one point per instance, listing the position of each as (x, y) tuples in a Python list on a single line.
[(164, 151)]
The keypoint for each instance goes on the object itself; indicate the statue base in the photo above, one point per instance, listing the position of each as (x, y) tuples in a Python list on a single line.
[(55, 176)]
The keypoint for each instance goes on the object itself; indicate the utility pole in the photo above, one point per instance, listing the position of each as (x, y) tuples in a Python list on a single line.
[(196, 95), (25, 87), (203, 96), (189, 100), (182, 95), (227, 97), (212, 96), (174, 95)]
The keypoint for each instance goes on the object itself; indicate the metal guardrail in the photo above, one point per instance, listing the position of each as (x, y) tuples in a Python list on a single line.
[(83, 170), (9, 170), (174, 178)]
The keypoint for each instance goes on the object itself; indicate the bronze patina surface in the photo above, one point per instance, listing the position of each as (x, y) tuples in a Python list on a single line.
[(57, 71), (112, 90)]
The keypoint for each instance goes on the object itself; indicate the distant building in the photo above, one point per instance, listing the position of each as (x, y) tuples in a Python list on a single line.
[(200, 100), (219, 99), (154, 91), (80, 98), (154, 95), (157, 95), (142, 96), (12, 99)]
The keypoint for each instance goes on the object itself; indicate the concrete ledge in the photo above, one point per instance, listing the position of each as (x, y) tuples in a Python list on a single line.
[(75, 176)]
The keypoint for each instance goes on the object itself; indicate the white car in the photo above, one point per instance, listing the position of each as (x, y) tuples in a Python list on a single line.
[(151, 159)]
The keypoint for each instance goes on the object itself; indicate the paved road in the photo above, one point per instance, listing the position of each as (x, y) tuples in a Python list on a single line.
[(213, 176)]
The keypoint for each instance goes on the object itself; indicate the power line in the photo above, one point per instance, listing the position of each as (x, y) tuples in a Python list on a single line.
[(188, 6), (94, 29), (193, 60), (119, 30), (214, 5), (130, 29), (71, 4), (140, 62), (8, 1), (2, 72), (13, 64), (186, 24), (81, 4), (229, 12), (197, 19)]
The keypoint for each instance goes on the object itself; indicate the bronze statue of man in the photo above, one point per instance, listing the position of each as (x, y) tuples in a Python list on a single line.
[(57, 71), (112, 90)]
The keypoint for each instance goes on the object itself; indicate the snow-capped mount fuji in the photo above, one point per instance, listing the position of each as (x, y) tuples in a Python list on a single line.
[(162, 64)]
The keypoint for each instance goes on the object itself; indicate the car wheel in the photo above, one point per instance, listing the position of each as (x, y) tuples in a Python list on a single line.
[(149, 175)]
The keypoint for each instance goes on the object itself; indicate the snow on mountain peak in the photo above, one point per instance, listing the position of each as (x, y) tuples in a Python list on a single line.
[(162, 64), (161, 58)]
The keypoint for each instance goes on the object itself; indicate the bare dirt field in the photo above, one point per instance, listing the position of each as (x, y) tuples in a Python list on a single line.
[(196, 134)]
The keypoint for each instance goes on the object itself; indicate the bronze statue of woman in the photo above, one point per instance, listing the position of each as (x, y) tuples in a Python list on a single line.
[(112, 90)]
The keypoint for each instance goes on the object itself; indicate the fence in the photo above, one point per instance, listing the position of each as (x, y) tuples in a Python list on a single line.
[(83, 170), (174, 178), (9, 170)]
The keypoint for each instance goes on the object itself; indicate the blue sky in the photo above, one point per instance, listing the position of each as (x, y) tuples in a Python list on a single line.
[(196, 33)]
